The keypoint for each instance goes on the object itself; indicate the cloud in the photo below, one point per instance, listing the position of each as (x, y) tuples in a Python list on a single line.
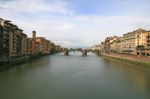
[(57, 22), (55, 6)]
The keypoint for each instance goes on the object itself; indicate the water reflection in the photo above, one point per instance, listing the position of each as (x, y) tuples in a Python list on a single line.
[(75, 77), (137, 76)]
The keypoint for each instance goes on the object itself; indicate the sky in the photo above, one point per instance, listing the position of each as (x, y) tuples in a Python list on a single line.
[(77, 23)]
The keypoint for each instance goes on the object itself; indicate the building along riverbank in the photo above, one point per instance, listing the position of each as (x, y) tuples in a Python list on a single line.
[(16, 46)]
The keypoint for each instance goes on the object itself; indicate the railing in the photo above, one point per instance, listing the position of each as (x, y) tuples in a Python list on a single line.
[(143, 47), (140, 47)]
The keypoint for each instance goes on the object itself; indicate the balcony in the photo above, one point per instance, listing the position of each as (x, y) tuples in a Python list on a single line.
[(143, 47), (140, 47), (148, 44)]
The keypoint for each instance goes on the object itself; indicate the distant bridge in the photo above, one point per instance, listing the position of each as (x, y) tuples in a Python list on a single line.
[(83, 51)]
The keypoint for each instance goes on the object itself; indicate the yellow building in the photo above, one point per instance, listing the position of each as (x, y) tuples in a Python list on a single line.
[(107, 47), (143, 42), (110, 44), (129, 43), (114, 44), (136, 42)]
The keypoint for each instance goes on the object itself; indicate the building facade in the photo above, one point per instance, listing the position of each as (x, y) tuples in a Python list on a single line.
[(4, 40), (114, 44), (129, 43), (38, 45), (136, 42), (143, 42), (13, 42)]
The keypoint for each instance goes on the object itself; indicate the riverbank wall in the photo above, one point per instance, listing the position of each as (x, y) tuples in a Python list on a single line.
[(13, 61), (134, 59), (19, 60)]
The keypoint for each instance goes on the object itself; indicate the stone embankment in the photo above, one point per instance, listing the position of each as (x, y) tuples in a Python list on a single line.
[(136, 59)]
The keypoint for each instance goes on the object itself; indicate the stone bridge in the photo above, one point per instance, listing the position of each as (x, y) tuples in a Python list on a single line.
[(84, 52)]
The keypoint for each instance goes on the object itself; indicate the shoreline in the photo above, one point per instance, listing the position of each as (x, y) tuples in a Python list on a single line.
[(129, 59), (20, 60)]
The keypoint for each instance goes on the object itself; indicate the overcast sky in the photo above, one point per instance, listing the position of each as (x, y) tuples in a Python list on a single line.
[(77, 22)]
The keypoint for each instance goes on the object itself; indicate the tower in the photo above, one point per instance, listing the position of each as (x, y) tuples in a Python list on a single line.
[(34, 34), (33, 42)]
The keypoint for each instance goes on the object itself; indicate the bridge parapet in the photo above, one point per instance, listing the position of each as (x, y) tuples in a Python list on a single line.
[(84, 52)]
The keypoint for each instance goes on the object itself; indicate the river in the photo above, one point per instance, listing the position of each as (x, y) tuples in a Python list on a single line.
[(75, 77)]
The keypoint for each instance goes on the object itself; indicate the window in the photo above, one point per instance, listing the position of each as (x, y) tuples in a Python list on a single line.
[(4, 45), (4, 32)]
